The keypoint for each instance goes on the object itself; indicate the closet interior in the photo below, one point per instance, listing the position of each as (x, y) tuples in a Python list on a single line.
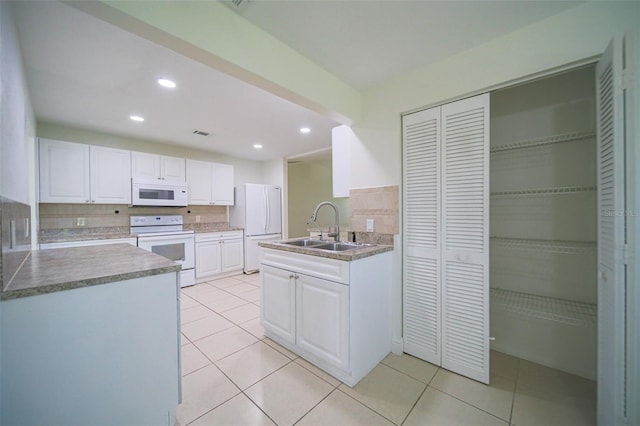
[(543, 222)]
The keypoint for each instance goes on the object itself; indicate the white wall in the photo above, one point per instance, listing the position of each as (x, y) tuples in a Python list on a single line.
[(16, 115), (576, 35)]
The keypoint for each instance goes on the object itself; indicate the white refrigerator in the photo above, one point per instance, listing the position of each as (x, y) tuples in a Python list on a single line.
[(258, 210)]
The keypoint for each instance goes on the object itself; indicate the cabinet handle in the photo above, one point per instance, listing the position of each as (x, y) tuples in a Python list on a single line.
[(291, 276), (86, 201), (93, 201), (296, 277)]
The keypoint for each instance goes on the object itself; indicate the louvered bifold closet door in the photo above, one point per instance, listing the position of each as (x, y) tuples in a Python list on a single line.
[(465, 223), (421, 241), (611, 217)]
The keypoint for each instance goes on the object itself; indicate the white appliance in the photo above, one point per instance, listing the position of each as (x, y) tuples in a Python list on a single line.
[(258, 210), (165, 236), (152, 192)]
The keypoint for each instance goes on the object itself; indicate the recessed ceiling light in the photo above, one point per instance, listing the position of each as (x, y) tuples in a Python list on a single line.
[(136, 118), (257, 146), (305, 130), (166, 83)]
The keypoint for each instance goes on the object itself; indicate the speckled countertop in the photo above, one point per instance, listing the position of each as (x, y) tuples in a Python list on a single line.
[(83, 234), (48, 271), (210, 227), (348, 255)]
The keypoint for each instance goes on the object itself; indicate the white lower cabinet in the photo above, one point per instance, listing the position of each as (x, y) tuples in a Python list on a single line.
[(322, 319), (219, 254), (278, 302), (336, 314)]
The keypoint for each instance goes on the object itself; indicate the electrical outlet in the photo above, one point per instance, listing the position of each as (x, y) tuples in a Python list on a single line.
[(197, 218), (80, 221), (369, 225)]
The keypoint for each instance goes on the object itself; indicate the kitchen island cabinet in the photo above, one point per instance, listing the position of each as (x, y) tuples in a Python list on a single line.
[(90, 335), (334, 313)]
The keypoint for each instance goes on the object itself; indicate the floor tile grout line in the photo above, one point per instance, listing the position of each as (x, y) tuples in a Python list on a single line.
[(408, 375), (212, 361), (317, 375), (207, 412), (413, 406), (470, 405), (365, 405), (312, 408), (259, 408), (515, 388)]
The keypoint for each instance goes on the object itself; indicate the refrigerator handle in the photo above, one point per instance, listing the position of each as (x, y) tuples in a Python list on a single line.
[(266, 210)]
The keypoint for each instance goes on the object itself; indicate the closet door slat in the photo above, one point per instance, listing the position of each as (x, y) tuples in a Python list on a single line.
[(465, 245), (611, 239), (421, 269)]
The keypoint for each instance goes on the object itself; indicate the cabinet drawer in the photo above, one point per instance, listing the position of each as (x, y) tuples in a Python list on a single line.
[(321, 267), (217, 236)]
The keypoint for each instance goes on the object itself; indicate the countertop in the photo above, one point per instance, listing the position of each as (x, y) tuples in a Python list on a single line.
[(83, 234), (348, 255), (210, 227), (48, 271)]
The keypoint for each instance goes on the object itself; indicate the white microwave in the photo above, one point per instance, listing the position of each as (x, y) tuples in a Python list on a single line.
[(158, 193)]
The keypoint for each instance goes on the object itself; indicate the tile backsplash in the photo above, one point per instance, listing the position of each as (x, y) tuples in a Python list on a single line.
[(104, 218), (382, 204)]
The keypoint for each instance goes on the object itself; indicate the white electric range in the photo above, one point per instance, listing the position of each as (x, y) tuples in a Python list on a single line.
[(164, 235)]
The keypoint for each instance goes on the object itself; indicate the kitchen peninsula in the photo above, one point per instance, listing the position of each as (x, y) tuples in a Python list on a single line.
[(91, 336), (329, 302)]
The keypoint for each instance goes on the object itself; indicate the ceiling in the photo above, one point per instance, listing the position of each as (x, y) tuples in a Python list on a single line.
[(85, 73)]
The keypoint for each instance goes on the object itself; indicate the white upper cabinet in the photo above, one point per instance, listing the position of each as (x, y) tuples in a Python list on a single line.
[(78, 173), (110, 175), (199, 182), (152, 166), (64, 172), (209, 183), (222, 184)]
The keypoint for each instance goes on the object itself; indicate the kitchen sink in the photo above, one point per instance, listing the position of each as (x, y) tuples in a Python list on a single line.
[(325, 245), (340, 246), (307, 242)]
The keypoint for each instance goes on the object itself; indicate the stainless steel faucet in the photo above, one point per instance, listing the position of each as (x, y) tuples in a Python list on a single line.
[(335, 235)]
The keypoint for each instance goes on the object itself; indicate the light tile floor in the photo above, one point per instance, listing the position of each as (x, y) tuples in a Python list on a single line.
[(233, 375)]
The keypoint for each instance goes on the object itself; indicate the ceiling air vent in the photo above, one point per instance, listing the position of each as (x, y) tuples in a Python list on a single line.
[(238, 5), (201, 133)]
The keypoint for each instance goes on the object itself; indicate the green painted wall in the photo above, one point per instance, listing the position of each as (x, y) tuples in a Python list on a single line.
[(309, 183)]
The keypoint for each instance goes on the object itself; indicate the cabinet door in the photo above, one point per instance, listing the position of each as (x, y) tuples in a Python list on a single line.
[(145, 166), (172, 168), (277, 306), (208, 259), (232, 255), (110, 175), (199, 182), (322, 319), (64, 172), (222, 184)]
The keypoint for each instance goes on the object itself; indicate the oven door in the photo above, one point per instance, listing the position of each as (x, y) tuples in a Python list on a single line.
[(179, 248)]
